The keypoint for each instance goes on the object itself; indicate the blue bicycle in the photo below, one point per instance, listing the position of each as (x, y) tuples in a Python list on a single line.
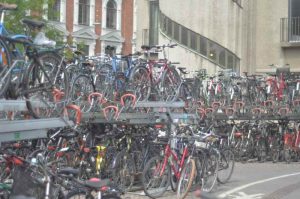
[(9, 52), (114, 76)]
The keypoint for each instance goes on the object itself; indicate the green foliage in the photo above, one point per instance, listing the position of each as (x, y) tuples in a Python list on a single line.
[(37, 9)]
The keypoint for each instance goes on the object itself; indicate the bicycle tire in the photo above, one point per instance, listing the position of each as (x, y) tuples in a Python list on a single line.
[(83, 194), (163, 181), (34, 77), (287, 155), (210, 174), (5, 63), (105, 80), (140, 83), (170, 84), (224, 165), (189, 179), (82, 86), (123, 171)]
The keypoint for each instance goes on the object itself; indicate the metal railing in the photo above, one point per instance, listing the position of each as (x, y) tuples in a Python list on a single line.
[(290, 29)]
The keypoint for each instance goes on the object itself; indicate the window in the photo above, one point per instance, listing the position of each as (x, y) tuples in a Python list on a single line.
[(230, 61), (170, 23), (54, 10), (184, 36), (212, 51), (84, 12), (193, 41), (176, 31), (222, 57), (111, 14), (203, 46)]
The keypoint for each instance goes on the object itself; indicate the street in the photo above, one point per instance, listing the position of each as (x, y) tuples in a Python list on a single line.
[(252, 181)]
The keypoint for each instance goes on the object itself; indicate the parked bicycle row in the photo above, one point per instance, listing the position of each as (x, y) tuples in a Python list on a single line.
[(48, 78), (149, 157)]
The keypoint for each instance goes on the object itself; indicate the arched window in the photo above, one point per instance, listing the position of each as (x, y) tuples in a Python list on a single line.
[(84, 12), (111, 14)]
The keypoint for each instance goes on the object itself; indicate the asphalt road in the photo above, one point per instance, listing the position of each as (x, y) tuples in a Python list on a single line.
[(252, 181)]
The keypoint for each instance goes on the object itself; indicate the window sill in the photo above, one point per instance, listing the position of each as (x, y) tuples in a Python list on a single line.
[(291, 44)]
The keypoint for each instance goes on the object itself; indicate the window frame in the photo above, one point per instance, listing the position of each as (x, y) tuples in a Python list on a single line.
[(86, 10), (111, 24)]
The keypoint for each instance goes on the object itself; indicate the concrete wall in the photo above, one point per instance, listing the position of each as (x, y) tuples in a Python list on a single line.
[(267, 20), (251, 32), (214, 19)]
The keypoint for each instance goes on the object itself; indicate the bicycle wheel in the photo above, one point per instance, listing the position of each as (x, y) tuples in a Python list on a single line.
[(210, 172), (5, 63), (226, 166), (78, 194), (170, 84), (261, 150), (105, 81), (83, 194), (140, 83), (38, 88), (155, 181), (80, 90), (186, 179), (287, 155), (123, 171)]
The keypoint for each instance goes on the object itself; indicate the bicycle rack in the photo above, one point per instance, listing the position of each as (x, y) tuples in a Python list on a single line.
[(141, 113), (15, 130)]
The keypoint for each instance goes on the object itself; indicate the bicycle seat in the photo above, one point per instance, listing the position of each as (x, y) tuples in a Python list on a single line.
[(68, 171), (69, 135), (144, 47), (182, 70), (96, 183), (6, 6), (33, 23)]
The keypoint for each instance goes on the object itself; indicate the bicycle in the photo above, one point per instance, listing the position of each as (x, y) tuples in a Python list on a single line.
[(45, 82), (144, 79), (157, 172), (16, 52)]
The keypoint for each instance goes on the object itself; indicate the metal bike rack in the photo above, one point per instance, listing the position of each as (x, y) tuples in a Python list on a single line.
[(15, 130)]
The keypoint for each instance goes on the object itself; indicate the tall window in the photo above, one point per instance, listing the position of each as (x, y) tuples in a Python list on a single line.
[(84, 12), (54, 10), (111, 14)]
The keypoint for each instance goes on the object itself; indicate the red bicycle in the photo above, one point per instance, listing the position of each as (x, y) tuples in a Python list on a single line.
[(292, 143), (176, 167), (145, 78)]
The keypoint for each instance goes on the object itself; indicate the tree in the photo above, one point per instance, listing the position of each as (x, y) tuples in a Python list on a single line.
[(34, 9)]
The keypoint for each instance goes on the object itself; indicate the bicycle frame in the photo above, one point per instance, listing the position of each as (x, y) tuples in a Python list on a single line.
[(168, 154), (278, 84)]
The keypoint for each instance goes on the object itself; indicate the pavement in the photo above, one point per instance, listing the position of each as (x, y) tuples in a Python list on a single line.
[(251, 181)]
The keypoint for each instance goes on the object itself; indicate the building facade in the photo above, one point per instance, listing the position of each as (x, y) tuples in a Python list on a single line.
[(100, 26), (243, 35)]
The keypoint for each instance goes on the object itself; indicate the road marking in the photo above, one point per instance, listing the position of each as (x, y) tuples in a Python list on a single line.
[(242, 195), (224, 195)]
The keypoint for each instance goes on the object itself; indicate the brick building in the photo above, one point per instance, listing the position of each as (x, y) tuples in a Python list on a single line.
[(100, 25)]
